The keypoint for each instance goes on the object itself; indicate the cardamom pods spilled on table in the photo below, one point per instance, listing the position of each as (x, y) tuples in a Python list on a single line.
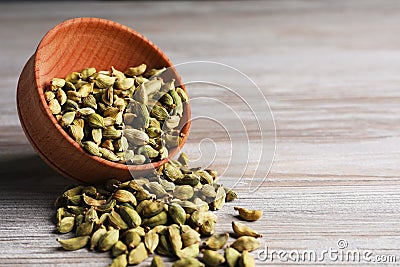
[(155, 215)]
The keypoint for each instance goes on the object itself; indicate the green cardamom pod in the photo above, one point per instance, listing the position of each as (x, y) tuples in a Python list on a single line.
[(108, 240), (212, 258), (246, 243), (74, 243), (138, 254), (232, 256)]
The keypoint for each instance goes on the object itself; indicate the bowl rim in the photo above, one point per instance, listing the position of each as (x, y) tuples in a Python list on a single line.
[(112, 24)]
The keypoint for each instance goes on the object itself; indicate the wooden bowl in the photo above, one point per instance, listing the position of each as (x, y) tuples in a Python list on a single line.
[(71, 46)]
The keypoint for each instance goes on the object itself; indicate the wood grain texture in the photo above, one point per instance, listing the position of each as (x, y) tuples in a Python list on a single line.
[(330, 71)]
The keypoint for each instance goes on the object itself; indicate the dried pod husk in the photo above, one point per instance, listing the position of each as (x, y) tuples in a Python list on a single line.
[(86, 73), (73, 77), (119, 248), (164, 246), (182, 94), (205, 177), (91, 215), (95, 121), (153, 72), (212, 258), (157, 262), (103, 81), (108, 144), (138, 254), (208, 227), (125, 196), (92, 148), (76, 132), (66, 225), (86, 89), (178, 110), (183, 159), (152, 208), (130, 216), (49, 95), (152, 86), (136, 137), (54, 106), (136, 159), (177, 213), (116, 220), (159, 219), (249, 215), (232, 256), (159, 112), (172, 122), (168, 186), (135, 71), (70, 105), (108, 240), (147, 151), (191, 251), (67, 118), (57, 83), (89, 102), (140, 94), (124, 84), (61, 96), (188, 179), (84, 229), (174, 234), (74, 243), (151, 240), (246, 260), (183, 192), (157, 189), (92, 201), (241, 229), (107, 207), (189, 236), (216, 242), (75, 200), (96, 237), (188, 262), (219, 200), (132, 238), (172, 172), (74, 96), (230, 195), (120, 261), (196, 219), (246, 243)]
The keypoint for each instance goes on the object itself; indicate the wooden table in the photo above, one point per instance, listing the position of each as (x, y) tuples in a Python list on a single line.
[(330, 71)]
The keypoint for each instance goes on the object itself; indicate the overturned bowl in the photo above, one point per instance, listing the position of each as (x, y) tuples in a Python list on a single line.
[(71, 46)]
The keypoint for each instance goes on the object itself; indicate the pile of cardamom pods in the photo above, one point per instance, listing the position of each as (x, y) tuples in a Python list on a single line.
[(130, 117), (164, 214)]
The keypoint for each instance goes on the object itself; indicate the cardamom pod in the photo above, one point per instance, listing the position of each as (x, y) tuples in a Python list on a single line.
[(249, 215), (216, 242), (97, 236), (120, 261), (74, 243), (66, 225), (136, 137), (232, 256), (108, 240), (157, 262), (246, 260), (96, 121), (177, 213), (246, 243), (212, 258), (135, 71), (151, 240), (241, 229), (191, 251), (130, 216), (119, 248), (188, 262), (138, 254)]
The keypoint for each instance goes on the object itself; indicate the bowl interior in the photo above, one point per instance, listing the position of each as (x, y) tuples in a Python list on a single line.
[(90, 42)]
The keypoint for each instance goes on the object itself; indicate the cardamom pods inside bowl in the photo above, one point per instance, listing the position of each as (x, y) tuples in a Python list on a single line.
[(94, 102)]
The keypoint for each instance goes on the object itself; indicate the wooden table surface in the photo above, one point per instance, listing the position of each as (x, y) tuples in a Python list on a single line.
[(331, 73)]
